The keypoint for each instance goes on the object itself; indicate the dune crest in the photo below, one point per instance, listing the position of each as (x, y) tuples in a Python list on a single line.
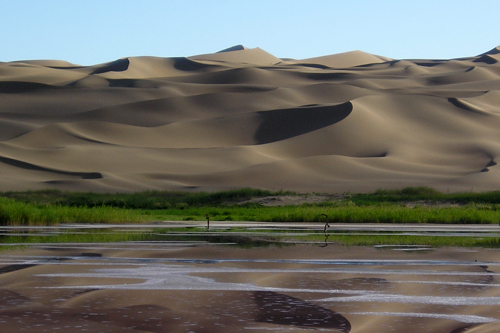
[(240, 55), (345, 60), (234, 48), (242, 117)]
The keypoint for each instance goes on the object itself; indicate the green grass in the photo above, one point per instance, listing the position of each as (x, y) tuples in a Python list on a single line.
[(179, 199), (53, 207), (344, 213), (95, 236), (13, 212), (140, 200), (425, 194), (428, 206)]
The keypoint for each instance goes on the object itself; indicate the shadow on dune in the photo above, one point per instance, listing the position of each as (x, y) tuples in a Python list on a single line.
[(119, 65), (464, 106), (486, 59), (185, 64), (428, 63), (329, 76), (29, 166), (282, 124), (18, 87), (281, 309)]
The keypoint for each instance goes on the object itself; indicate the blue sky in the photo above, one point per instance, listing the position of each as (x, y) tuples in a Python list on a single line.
[(95, 31)]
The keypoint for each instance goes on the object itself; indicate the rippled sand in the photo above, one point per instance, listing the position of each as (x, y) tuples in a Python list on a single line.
[(163, 288)]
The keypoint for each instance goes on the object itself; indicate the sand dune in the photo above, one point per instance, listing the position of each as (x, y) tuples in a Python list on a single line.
[(343, 60), (245, 118)]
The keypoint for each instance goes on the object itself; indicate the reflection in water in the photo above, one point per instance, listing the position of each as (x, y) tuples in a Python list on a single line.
[(11, 299), (436, 300), (13, 268), (469, 319), (148, 317), (286, 310), (326, 239), (174, 292)]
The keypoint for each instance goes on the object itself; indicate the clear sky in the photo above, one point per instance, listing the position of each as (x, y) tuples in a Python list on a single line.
[(95, 31)]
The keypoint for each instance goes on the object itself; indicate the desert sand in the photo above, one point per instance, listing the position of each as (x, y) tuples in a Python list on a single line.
[(245, 118), (302, 288)]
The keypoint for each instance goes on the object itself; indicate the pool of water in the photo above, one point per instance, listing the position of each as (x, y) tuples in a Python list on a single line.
[(200, 288)]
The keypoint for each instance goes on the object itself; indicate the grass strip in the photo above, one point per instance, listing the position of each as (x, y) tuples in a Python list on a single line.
[(53, 207), (388, 213), (141, 200), (425, 194), (243, 240), (13, 212)]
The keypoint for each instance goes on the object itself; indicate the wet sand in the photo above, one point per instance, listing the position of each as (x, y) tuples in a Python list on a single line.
[(164, 288)]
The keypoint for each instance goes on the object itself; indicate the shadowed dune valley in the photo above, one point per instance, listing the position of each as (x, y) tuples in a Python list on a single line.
[(245, 118)]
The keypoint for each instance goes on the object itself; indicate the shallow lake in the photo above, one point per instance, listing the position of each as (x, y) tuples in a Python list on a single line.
[(199, 287)]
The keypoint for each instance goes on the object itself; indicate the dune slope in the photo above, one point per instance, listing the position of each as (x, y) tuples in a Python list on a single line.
[(245, 118)]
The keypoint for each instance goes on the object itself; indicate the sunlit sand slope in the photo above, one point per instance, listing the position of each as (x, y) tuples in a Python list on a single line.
[(245, 118)]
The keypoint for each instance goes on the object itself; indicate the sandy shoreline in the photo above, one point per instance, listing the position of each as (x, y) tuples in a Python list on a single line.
[(221, 289)]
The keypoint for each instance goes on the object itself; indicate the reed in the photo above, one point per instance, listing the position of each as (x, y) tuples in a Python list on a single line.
[(338, 213), (428, 206), (13, 212)]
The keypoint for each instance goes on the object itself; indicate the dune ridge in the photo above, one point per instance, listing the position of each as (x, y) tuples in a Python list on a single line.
[(244, 118)]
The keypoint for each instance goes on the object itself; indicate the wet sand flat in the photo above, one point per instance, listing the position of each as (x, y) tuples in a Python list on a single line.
[(208, 288)]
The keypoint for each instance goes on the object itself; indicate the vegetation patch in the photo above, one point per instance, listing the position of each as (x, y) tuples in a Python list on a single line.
[(427, 206), (14, 212)]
